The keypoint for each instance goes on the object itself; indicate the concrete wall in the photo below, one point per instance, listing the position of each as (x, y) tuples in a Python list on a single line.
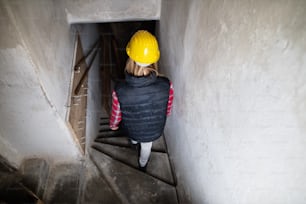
[(36, 54), (84, 11), (237, 133)]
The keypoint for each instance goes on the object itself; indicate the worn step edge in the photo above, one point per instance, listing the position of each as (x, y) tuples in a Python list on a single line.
[(107, 129), (100, 140), (108, 134), (121, 196), (99, 149), (115, 189), (84, 182), (171, 162), (159, 145), (104, 123)]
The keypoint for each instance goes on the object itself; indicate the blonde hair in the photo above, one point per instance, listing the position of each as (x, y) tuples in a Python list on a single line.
[(132, 68)]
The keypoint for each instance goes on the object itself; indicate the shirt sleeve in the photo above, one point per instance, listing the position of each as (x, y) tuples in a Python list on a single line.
[(116, 112), (170, 100)]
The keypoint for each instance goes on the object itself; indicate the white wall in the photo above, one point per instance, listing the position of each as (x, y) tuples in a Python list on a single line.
[(237, 133)]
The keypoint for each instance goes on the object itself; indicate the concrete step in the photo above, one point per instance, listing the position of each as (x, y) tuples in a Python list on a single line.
[(108, 133), (63, 183), (104, 128), (131, 185), (104, 120), (159, 145), (35, 173), (15, 193), (158, 166), (106, 123), (95, 189), (12, 186)]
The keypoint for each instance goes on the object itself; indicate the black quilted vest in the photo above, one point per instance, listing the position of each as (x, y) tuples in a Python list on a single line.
[(143, 103)]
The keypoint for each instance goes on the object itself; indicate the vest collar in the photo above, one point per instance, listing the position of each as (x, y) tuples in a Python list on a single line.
[(141, 80)]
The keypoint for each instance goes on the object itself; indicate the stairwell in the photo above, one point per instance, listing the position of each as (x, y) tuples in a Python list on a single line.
[(117, 164), (110, 153), (237, 133), (109, 172)]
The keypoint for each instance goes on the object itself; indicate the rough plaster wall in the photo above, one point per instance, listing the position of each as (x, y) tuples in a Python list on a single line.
[(237, 133), (36, 49), (45, 32), (84, 11)]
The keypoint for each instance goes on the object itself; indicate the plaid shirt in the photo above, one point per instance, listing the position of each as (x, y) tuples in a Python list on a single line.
[(116, 112)]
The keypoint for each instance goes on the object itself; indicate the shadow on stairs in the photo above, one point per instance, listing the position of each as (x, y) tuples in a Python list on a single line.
[(117, 164)]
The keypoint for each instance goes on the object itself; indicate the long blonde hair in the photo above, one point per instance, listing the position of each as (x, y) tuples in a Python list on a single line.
[(132, 68)]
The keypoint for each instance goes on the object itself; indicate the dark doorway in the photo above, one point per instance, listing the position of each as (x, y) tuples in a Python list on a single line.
[(109, 47)]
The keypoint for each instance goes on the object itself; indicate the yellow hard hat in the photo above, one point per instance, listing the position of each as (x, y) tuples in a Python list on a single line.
[(143, 48)]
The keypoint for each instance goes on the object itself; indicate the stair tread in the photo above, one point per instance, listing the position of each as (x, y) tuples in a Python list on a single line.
[(158, 145), (134, 185), (65, 178), (35, 172), (158, 165), (94, 181), (108, 133)]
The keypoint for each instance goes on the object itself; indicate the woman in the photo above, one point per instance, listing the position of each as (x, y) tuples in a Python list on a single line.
[(144, 100)]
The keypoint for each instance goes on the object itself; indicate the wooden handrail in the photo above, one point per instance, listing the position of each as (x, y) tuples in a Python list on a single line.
[(78, 87), (97, 43)]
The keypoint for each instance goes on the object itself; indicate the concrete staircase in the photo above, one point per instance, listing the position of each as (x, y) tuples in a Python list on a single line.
[(108, 175), (12, 188), (117, 165)]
